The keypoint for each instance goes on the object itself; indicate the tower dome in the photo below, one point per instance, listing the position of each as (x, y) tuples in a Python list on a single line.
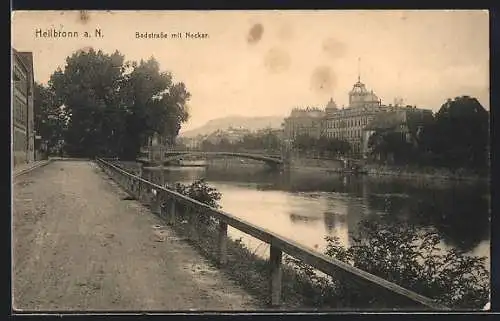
[(358, 89), (359, 96)]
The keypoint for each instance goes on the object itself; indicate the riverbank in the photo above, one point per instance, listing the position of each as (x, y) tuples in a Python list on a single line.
[(423, 173), (314, 166), (301, 290)]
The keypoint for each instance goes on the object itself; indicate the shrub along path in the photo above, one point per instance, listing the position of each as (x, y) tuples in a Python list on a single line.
[(78, 244)]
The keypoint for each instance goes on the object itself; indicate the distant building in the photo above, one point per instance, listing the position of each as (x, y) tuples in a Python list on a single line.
[(234, 135), (23, 132), (304, 121), (274, 131), (215, 137), (407, 120), (191, 143), (348, 123)]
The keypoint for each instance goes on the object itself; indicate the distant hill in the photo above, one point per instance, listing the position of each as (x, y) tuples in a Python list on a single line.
[(250, 123)]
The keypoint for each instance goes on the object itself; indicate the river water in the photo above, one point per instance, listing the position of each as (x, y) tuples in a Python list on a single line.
[(307, 206)]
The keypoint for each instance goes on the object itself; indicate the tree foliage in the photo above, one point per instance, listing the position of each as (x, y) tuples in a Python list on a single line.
[(200, 191), (405, 255), (461, 134), (391, 145), (204, 193), (402, 254), (114, 106), (322, 146), (264, 140), (456, 137), (50, 119)]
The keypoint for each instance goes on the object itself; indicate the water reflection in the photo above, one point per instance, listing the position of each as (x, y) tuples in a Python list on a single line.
[(308, 206)]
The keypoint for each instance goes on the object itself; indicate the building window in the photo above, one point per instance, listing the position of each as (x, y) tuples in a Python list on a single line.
[(20, 81), (19, 141), (19, 111)]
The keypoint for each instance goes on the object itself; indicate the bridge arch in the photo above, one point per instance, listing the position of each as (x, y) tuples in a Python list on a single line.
[(270, 160)]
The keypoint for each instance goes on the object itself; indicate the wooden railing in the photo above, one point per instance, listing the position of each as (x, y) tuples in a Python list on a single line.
[(166, 201)]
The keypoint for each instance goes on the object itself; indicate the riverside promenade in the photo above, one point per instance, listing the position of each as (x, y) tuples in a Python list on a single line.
[(79, 244)]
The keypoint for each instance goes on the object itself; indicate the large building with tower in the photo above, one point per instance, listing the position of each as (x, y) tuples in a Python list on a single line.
[(23, 131), (354, 123)]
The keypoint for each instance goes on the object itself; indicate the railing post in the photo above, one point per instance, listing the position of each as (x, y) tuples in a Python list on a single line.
[(192, 221), (129, 185), (157, 201), (135, 184), (139, 190), (276, 274), (164, 206), (171, 212), (222, 243)]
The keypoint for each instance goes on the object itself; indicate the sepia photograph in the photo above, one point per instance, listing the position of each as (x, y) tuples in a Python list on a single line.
[(250, 160)]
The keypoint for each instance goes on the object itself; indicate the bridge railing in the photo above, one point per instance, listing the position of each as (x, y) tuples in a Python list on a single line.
[(166, 203), (236, 151)]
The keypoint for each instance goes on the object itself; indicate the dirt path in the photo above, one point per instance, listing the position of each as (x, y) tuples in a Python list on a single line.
[(77, 245)]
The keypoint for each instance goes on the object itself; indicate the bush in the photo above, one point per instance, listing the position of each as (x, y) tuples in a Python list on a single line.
[(200, 191), (400, 253)]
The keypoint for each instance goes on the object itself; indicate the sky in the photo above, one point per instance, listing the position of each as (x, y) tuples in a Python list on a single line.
[(264, 63)]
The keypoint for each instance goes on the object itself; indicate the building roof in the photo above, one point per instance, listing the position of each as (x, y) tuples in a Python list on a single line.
[(308, 112), (331, 104), (359, 88), (27, 57), (20, 59), (386, 120)]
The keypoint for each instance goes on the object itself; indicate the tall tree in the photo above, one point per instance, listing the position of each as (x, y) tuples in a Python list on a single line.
[(89, 89), (49, 117), (391, 145), (304, 143), (155, 105), (461, 134), (114, 106)]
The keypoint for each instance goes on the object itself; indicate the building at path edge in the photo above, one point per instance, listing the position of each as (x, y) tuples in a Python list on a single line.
[(22, 115)]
